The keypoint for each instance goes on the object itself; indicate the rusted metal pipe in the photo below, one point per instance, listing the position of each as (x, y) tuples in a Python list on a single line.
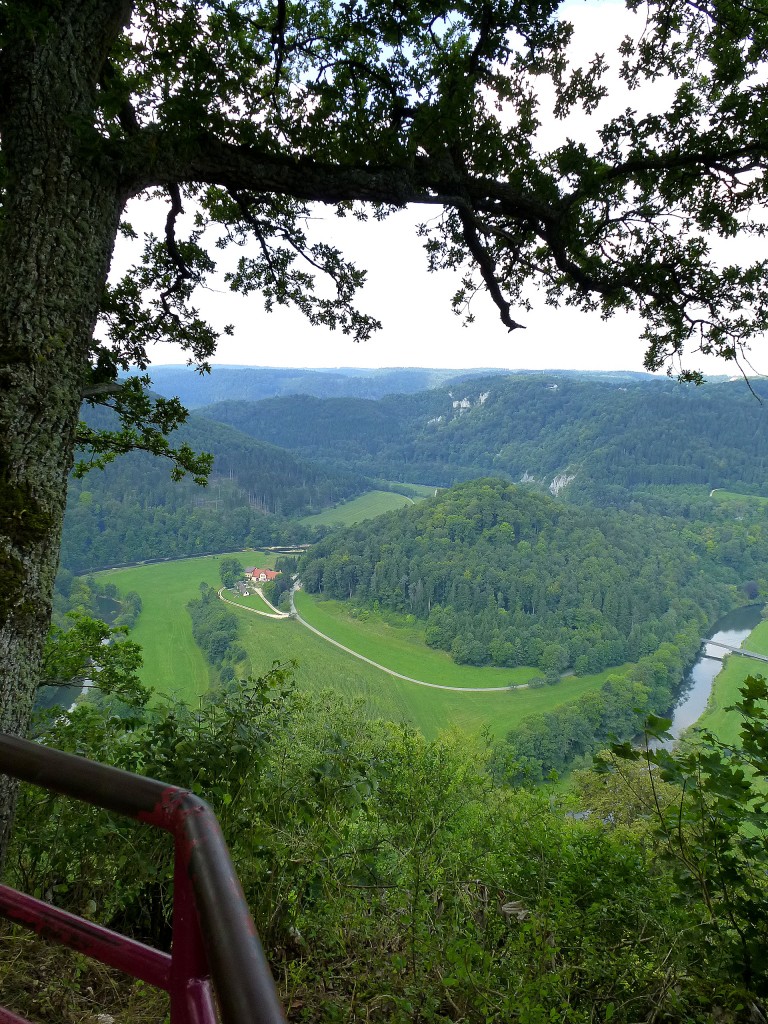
[(134, 958), (8, 1017), (212, 931)]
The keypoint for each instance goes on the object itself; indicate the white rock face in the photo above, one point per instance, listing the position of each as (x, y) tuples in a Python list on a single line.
[(560, 482), (526, 478), (462, 404), (435, 419), (482, 399)]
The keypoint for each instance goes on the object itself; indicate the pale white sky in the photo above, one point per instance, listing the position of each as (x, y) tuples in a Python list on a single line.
[(419, 328)]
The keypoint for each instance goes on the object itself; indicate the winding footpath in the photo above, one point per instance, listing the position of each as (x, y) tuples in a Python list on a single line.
[(277, 614), (398, 675), (274, 614)]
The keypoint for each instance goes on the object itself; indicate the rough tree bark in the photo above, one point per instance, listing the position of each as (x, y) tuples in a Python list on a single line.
[(58, 230), (66, 186)]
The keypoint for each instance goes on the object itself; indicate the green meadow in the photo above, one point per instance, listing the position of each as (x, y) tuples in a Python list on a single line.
[(725, 691), (730, 497), (366, 506), (415, 490), (252, 601), (174, 664), (401, 648), (321, 666)]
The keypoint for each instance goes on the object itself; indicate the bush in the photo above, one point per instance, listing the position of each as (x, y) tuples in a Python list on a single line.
[(391, 880)]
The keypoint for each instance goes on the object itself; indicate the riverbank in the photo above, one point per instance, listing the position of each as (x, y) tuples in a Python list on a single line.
[(725, 724)]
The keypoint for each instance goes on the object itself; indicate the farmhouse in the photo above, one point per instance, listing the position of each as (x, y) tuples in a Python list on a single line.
[(261, 575)]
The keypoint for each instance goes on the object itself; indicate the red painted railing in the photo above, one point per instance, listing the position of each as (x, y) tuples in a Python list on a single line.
[(214, 939)]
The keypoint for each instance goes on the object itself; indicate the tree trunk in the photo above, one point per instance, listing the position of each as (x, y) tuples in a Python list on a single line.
[(57, 230)]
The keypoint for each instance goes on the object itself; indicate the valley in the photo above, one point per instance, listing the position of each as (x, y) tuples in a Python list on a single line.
[(471, 634), (343, 695), (577, 590), (175, 666)]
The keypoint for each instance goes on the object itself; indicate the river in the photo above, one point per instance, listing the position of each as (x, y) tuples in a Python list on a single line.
[(731, 629)]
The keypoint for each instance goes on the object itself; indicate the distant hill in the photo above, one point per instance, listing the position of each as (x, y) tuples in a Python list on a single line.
[(613, 440), (252, 383), (506, 577), (132, 510), (601, 438)]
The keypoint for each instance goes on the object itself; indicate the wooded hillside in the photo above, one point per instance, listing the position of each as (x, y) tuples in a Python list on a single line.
[(509, 577), (614, 438), (133, 510)]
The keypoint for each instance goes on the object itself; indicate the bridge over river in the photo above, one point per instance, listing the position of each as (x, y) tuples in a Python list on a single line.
[(732, 650)]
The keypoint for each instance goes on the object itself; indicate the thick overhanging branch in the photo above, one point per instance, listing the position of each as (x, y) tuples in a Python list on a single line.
[(183, 273), (101, 392), (155, 159), (487, 269), (484, 204), (245, 171)]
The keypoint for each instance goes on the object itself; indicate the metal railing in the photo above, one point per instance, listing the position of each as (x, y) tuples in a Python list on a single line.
[(214, 938)]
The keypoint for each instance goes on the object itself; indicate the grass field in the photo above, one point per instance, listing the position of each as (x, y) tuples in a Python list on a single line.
[(172, 661), (322, 667), (415, 490), (174, 664), (731, 496), (252, 601), (366, 506), (404, 649), (725, 691)]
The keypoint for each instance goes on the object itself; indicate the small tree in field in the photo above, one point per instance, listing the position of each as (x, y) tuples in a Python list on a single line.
[(253, 110)]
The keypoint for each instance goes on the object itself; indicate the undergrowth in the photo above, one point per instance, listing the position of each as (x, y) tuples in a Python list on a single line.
[(391, 880)]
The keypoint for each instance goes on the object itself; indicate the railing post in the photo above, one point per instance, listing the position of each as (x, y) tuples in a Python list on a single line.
[(214, 938), (189, 989)]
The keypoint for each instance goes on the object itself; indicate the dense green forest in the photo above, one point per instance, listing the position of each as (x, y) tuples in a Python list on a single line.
[(508, 577), (132, 510), (608, 441), (215, 628), (629, 442)]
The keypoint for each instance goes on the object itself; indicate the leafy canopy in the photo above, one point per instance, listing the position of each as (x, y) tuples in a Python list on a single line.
[(253, 111)]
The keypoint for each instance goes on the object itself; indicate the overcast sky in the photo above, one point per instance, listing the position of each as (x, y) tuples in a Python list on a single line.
[(419, 327)]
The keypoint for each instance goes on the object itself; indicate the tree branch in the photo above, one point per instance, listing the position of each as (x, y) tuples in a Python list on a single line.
[(126, 114), (183, 273), (722, 161), (278, 41), (483, 259)]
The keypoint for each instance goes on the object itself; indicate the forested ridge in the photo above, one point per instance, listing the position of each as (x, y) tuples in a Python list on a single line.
[(133, 510), (625, 442), (614, 437), (254, 383), (505, 576)]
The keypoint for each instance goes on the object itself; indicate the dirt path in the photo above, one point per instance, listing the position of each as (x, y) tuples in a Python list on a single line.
[(274, 614), (398, 675)]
